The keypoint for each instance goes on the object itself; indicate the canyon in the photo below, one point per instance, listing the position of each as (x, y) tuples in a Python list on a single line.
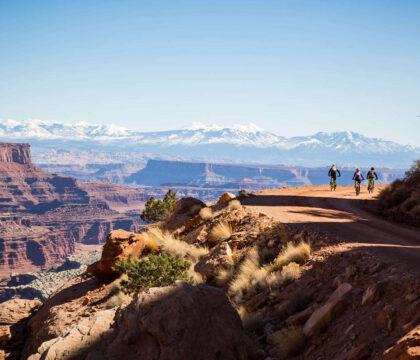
[(45, 217)]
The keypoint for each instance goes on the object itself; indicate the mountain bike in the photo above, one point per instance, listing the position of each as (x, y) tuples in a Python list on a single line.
[(371, 186), (333, 184), (357, 187)]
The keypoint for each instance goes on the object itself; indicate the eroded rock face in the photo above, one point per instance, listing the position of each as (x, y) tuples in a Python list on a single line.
[(15, 153), (406, 348), (120, 244), (45, 215)]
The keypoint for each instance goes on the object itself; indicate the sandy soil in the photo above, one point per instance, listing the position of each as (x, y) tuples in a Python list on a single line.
[(344, 215)]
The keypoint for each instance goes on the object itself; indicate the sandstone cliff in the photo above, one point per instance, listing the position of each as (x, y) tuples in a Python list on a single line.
[(45, 216)]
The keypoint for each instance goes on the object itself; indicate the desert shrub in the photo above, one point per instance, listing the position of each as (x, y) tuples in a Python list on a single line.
[(287, 342), (242, 192), (299, 254), (158, 210), (152, 271), (220, 232), (398, 200), (206, 213)]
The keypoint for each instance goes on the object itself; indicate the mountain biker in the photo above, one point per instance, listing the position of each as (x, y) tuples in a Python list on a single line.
[(358, 177), (371, 175), (332, 173)]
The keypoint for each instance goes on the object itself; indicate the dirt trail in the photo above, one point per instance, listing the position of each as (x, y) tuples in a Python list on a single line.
[(343, 215)]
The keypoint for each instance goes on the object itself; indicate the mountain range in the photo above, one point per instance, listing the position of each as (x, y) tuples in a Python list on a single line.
[(237, 144)]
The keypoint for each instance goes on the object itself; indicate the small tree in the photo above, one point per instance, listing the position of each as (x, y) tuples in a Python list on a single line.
[(157, 210), (153, 271)]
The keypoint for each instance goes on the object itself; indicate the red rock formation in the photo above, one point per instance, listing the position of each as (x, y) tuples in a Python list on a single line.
[(119, 245), (15, 153), (45, 215)]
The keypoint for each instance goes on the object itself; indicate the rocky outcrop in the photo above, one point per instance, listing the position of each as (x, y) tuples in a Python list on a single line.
[(120, 244), (15, 153), (13, 318), (406, 348), (219, 256), (226, 197)]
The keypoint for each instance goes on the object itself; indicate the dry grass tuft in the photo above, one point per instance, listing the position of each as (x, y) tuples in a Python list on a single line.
[(293, 253), (194, 210), (290, 272), (119, 299), (288, 342), (224, 275), (245, 274), (235, 205), (251, 321), (206, 213), (175, 247), (220, 232)]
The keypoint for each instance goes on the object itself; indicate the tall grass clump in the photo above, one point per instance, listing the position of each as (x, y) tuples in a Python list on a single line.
[(206, 213), (178, 248), (287, 342), (299, 254), (220, 232)]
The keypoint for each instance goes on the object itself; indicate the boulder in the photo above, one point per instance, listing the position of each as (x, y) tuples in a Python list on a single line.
[(176, 322), (13, 318), (188, 206), (219, 256), (406, 348), (120, 244), (184, 210), (77, 340), (227, 196), (321, 317)]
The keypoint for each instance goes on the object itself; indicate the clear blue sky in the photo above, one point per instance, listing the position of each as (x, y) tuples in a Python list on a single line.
[(292, 67)]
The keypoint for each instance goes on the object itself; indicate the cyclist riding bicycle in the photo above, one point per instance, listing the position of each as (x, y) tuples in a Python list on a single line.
[(358, 177), (332, 173), (371, 176)]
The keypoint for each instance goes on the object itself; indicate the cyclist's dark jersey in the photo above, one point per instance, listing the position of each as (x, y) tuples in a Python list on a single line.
[(358, 176), (371, 174), (333, 173)]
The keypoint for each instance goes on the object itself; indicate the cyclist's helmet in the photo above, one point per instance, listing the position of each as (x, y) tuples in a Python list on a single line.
[(372, 168)]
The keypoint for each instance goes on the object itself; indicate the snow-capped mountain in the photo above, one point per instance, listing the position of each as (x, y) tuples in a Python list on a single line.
[(238, 143)]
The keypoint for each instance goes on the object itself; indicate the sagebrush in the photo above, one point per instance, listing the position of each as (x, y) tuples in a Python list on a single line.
[(152, 271)]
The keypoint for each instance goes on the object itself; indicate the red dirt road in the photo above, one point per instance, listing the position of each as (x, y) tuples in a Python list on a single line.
[(343, 215)]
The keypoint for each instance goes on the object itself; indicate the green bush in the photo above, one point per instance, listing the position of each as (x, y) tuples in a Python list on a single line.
[(157, 210), (151, 271), (242, 192)]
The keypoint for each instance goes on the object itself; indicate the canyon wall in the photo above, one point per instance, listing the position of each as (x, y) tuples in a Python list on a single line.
[(44, 216)]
